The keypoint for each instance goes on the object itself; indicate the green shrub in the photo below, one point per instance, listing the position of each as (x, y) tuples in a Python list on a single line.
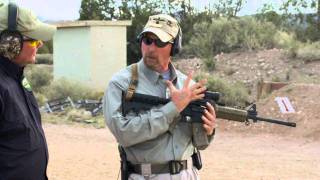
[(306, 51), (284, 40), (41, 98), (309, 52), (276, 79), (39, 76), (44, 59), (225, 35), (70, 117), (62, 88), (270, 16), (78, 115), (254, 34), (233, 94), (210, 63), (307, 30), (46, 48), (211, 38), (287, 41)]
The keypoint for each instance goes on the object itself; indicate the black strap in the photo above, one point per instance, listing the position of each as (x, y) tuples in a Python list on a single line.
[(172, 167), (12, 17)]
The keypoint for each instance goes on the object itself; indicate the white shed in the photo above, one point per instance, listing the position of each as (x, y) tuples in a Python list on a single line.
[(90, 51)]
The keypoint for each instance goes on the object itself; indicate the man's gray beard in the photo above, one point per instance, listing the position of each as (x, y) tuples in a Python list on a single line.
[(148, 64)]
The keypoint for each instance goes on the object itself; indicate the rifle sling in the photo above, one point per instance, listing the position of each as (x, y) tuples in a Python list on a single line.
[(133, 82)]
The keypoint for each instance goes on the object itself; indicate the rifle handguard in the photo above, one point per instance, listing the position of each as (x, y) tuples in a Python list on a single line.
[(231, 113)]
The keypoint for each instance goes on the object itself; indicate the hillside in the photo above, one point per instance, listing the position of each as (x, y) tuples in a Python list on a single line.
[(271, 65), (305, 100), (250, 67)]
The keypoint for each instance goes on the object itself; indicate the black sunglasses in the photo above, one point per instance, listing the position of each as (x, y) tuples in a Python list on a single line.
[(148, 41)]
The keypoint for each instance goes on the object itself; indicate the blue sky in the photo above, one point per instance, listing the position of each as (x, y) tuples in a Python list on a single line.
[(69, 9)]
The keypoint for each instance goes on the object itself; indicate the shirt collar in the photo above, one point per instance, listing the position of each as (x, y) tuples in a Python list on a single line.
[(11, 68), (154, 76)]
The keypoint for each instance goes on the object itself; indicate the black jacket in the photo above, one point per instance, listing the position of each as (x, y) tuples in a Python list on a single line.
[(23, 148)]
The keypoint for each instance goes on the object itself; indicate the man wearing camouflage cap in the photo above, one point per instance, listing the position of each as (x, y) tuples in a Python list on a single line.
[(23, 147), (155, 144)]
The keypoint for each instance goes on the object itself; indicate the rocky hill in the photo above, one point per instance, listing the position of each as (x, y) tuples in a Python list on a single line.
[(250, 67), (271, 65)]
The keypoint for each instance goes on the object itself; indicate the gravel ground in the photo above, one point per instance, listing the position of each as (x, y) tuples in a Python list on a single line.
[(86, 153)]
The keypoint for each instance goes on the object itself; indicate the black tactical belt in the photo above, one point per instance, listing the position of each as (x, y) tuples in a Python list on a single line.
[(172, 167)]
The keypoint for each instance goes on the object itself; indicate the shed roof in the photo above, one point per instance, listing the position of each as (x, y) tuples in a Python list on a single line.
[(71, 24)]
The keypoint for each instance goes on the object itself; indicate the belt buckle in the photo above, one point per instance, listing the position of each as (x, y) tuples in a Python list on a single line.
[(145, 169), (175, 167)]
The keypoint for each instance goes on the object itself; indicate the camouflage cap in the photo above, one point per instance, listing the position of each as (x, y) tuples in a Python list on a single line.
[(27, 24), (163, 26)]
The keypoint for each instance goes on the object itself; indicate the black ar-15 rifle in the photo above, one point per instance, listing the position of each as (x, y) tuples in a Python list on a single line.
[(193, 112)]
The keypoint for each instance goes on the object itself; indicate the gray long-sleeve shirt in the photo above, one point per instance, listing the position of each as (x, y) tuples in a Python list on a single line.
[(153, 136)]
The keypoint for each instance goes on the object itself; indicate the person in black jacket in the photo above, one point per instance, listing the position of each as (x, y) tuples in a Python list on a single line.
[(23, 147)]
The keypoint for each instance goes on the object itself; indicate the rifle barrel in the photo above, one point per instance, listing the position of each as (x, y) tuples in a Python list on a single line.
[(291, 124)]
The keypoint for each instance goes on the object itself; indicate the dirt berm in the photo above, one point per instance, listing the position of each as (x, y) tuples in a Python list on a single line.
[(305, 99)]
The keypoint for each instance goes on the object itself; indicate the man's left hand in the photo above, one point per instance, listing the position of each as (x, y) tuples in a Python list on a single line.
[(209, 119)]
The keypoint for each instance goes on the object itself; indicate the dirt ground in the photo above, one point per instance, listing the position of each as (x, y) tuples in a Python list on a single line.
[(86, 153), (260, 151)]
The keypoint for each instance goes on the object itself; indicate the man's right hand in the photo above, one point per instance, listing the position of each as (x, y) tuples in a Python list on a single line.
[(182, 97)]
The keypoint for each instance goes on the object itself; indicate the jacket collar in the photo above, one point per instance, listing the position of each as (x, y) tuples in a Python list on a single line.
[(154, 76), (10, 68)]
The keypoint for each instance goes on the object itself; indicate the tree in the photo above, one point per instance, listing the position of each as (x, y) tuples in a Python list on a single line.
[(97, 10), (300, 5), (227, 8), (269, 14), (108, 9), (124, 11), (294, 11), (90, 10), (138, 12)]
